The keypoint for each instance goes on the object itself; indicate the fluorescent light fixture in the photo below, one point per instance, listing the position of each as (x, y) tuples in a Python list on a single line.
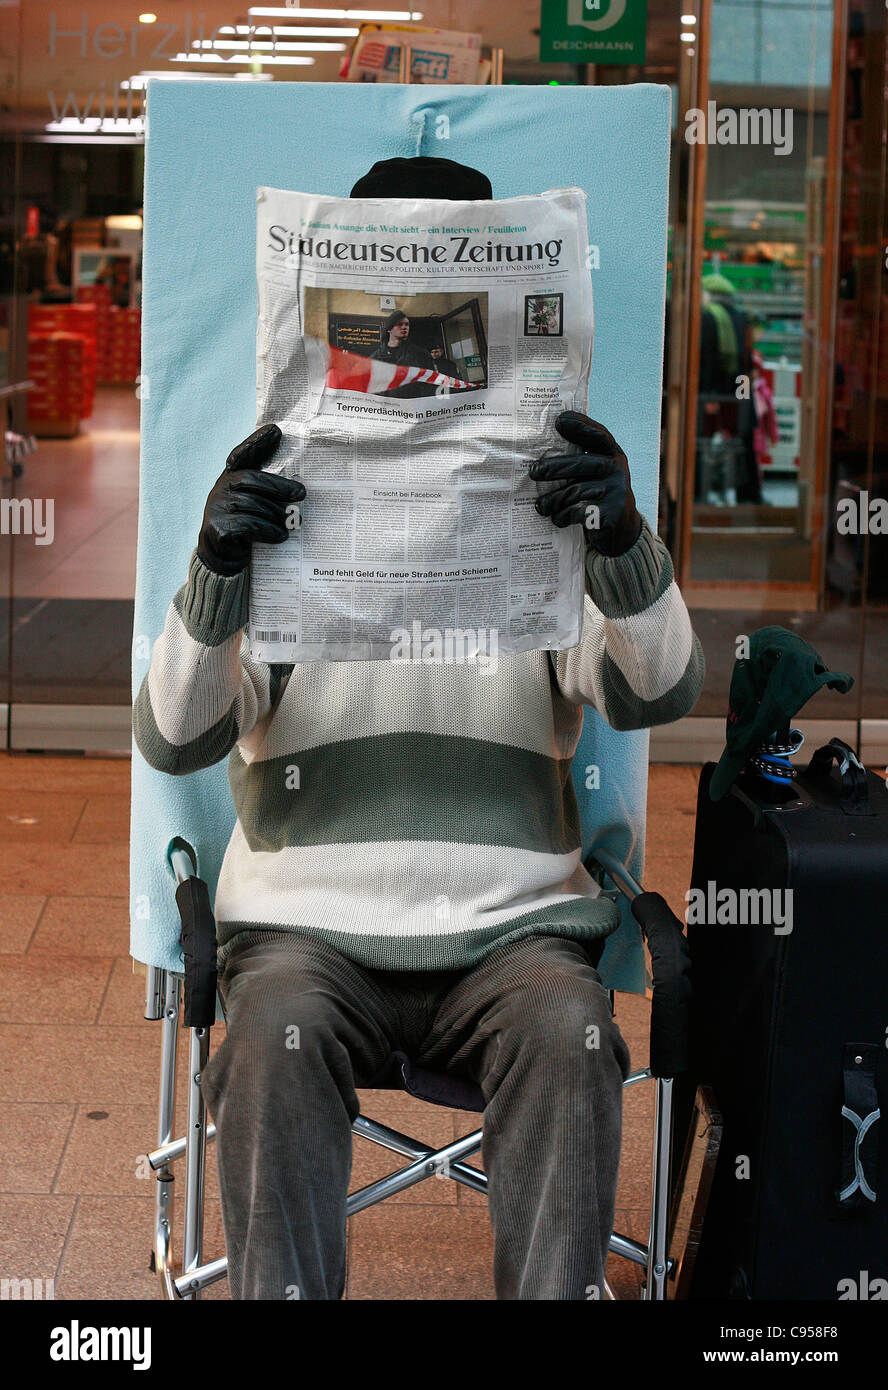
[(139, 81), (689, 19), (97, 125), (294, 62), (293, 31), (267, 45), (147, 18), (276, 12), (686, 38)]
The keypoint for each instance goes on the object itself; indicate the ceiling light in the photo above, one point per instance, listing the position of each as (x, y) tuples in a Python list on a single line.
[(689, 19), (294, 31), (147, 18), (139, 81), (95, 125), (268, 45), (294, 62), (276, 12), (686, 38)]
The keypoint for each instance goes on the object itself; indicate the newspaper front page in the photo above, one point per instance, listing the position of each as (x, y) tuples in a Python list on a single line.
[(415, 355)]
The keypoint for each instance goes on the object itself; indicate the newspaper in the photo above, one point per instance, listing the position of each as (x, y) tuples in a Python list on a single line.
[(415, 354), (437, 55)]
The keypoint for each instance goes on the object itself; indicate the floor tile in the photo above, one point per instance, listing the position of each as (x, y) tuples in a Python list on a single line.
[(108, 1250), (101, 822), (393, 1108), (83, 926), (34, 1138), (67, 870), (634, 1179), (33, 1231), (19, 916), (400, 1252), (63, 775), (66, 989), (124, 1001), (64, 1063), (44, 817)]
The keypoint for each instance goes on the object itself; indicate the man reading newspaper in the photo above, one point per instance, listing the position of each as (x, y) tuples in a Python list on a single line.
[(421, 892)]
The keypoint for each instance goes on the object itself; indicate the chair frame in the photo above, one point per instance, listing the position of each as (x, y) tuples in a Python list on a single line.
[(164, 996)]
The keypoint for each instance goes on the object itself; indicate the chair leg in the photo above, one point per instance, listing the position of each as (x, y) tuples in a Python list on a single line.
[(163, 1223), (657, 1266), (195, 1156)]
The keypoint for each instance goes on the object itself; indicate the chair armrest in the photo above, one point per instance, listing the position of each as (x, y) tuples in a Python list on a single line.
[(671, 972), (199, 952)]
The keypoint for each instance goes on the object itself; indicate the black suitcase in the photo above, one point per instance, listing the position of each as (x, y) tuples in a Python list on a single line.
[(790, 1028)]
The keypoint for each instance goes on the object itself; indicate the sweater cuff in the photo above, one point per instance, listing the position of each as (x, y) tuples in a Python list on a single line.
[(213, 607), (621, 585)]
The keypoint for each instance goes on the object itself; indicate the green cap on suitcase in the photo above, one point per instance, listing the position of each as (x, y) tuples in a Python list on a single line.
[(768, 688)]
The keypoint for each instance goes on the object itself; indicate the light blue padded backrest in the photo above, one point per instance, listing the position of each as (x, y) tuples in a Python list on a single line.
[(209, 145)]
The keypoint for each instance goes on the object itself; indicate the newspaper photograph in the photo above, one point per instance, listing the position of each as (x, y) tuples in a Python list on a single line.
[(415, 355)]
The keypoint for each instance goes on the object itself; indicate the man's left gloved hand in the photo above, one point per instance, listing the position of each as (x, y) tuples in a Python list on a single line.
[(596, 477)]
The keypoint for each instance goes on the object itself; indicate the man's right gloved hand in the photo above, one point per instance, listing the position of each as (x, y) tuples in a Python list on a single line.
[(246, 505)]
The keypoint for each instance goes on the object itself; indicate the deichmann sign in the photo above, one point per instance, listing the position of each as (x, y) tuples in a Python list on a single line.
[(593, 31)]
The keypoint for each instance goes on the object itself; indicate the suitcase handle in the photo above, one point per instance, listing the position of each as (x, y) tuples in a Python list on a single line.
[(852, 786)]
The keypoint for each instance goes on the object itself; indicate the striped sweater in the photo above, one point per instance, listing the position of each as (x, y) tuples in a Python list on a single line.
[(412, 815)]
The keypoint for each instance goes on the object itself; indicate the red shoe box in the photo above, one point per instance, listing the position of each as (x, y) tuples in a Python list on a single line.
[(122, 361), (56, 365), (80, 320)]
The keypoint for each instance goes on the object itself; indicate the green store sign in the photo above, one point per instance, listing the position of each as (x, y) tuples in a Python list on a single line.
[(593, 31)]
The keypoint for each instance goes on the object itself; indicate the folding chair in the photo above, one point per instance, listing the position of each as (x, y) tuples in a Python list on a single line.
[(670, 972)]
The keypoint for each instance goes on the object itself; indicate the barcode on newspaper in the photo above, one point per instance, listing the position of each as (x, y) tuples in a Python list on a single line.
[(260, 635)]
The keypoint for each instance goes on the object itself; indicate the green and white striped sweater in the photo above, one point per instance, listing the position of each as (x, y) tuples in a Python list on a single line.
[(412, 815)]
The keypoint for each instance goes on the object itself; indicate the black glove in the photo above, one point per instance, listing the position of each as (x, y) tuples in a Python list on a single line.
[(246, 505), (597, 476)]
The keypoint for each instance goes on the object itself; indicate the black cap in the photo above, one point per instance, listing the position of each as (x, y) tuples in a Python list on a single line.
[(768, 688), (423, 177)]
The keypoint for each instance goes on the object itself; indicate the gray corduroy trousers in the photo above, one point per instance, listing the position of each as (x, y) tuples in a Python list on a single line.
[(531, 1025)]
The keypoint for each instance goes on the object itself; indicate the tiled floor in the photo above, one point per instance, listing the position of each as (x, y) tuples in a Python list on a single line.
[(79, 1066)]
